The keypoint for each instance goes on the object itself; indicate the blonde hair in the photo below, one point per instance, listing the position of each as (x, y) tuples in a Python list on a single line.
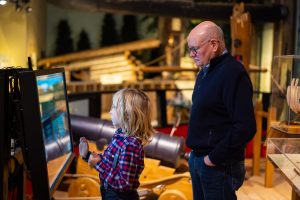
[(134, 112)]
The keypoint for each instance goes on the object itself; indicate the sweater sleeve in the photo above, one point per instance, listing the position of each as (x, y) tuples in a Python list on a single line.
[(237, 97)]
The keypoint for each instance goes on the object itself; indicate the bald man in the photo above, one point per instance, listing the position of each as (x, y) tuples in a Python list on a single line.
[(222, 118)]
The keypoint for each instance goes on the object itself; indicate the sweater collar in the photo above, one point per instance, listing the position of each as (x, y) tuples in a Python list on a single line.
[(215, 61)]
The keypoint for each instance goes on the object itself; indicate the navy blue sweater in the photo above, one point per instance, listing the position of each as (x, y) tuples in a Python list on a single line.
[(222, 118)]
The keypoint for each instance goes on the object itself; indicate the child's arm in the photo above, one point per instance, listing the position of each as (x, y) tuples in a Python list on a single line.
[(94, 158)]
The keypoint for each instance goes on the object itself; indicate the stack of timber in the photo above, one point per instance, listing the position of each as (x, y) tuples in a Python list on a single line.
[(100, 65), (119, 66), (85, 86), (111, 68)]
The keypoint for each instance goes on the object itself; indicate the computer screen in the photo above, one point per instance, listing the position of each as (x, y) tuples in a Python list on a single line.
[(55, 121), (47, 133)]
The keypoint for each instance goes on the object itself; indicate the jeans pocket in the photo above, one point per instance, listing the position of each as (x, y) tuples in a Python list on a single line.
[(236, 174)]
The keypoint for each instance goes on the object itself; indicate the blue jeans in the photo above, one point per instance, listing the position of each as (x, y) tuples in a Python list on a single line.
[(110, 194), (215, 183)]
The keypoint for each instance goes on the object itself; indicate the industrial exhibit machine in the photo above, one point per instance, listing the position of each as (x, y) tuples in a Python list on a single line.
[(160, 178), (39, 138)]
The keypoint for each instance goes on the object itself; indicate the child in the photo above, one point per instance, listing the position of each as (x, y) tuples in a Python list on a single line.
[(123, 160)]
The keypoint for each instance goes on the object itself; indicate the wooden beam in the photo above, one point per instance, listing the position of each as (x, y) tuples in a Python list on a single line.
[(79, 65), (269, 167), (257, 140), (130, 46), (184, 8), (254, 68), (168, 69)]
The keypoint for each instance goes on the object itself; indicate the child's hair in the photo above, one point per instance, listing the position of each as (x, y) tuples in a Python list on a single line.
[(134, 112)]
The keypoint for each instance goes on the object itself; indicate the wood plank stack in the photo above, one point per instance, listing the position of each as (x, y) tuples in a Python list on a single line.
[(93, 86), (113, 64), (104, 69), (115, 68)]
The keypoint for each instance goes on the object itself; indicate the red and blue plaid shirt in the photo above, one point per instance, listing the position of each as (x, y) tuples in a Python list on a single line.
[(130, 163)]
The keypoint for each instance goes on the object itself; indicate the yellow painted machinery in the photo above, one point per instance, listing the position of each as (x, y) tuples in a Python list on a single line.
[(164, 177)]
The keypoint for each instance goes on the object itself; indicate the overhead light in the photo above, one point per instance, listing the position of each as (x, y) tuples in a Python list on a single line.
[(3, 2)]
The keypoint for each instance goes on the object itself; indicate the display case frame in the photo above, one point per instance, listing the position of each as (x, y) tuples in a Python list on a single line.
[(286, 93), (284, 153)]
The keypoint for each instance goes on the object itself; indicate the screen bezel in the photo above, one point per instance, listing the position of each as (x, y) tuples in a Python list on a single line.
[(71, 156), (35, 148), (3, 137)]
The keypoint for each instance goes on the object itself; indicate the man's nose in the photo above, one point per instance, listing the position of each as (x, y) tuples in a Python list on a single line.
[(192, 54)]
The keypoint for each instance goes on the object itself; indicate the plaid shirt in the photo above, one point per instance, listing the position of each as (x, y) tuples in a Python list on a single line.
[(125, 176)]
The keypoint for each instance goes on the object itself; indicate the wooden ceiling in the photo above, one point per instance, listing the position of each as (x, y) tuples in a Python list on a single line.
[(177, 8)]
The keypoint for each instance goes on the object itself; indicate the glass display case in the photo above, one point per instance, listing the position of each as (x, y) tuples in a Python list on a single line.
[(283, 144), (287, 150), (285, 154), (286, 93)]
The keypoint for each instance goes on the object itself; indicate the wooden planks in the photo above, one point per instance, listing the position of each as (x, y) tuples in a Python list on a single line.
[(104, 51), (95, 86)]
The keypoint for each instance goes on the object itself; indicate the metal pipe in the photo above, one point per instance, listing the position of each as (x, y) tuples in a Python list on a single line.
[(170, 150)]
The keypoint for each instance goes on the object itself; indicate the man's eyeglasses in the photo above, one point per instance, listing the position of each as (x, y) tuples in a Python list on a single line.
[(194, 50)]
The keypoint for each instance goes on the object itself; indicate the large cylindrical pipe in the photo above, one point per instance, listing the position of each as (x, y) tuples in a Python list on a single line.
[(166, 148), (162, 147), (91, 128)]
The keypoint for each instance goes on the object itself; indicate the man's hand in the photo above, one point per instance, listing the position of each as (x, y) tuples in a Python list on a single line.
[(83, 147), (93, 159), (208, 162)]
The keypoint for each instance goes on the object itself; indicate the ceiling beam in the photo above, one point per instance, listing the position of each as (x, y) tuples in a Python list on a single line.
[(177, 8)]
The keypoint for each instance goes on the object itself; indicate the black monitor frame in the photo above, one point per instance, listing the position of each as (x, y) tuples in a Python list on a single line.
[(4, 138), (33, 134)]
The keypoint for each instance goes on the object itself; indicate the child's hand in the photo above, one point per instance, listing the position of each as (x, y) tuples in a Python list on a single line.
[(93, 159), (83, 147)]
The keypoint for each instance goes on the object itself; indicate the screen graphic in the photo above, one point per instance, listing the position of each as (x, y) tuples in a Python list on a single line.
[(55, 122)]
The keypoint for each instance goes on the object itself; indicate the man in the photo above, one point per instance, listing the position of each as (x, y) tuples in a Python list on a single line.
[(222, 116)]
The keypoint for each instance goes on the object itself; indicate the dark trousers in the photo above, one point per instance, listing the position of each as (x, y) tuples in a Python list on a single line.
[(110, 194), (215, 183)]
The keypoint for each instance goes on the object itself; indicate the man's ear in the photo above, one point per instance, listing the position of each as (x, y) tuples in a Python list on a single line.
[(215, 45)]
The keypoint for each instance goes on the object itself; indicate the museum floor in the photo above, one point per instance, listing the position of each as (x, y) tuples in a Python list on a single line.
[(253, 188)]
